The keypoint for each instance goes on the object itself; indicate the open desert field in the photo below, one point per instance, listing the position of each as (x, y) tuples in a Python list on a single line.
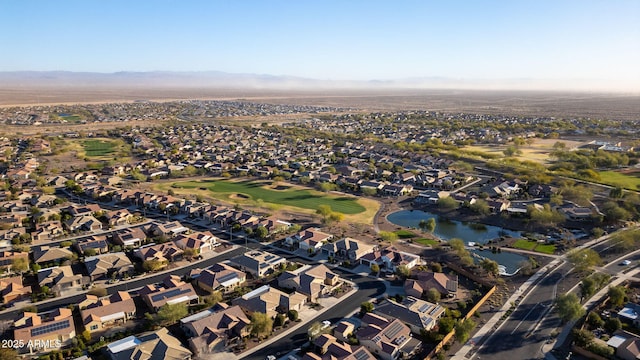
[(538, 151), (527, 103)]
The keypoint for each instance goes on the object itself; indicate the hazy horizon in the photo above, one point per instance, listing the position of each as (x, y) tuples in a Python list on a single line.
[(544, 45)]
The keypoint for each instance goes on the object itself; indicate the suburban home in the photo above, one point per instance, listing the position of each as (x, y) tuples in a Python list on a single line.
[(166, 252), (390, 339), (59, 279), (257, 263), (389, 258), (625, 344), (130, 237), (11, 289), (421, 281), (343, 330), (415, 313), (47, 231), (101, 314), (119, 217), (270, 301), (499, 205), (107, 266), (347, 249), (83, 223), (12, 233), (330, 348), (576, 213), (311, 281), (200, 242), (156, 345), (83, 210), (172, 291), (97, 243), (211, 330), (36, 330), (630, 314), (310, 240), (46, 254), (8, 257), (169, 229), (219, 277), (396, 190)]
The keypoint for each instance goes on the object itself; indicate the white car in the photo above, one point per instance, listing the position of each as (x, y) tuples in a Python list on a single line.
[(625, 263)]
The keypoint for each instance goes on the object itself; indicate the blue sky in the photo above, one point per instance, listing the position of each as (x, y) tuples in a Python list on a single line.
[(338, 40)]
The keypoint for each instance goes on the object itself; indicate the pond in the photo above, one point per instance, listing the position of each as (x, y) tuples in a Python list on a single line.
[(449, 229), (469, 232)]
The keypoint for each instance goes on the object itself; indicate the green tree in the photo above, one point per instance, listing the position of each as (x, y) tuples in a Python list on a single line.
[(366, 307), (9, 354), (617, 295), (433, 295), (261, 324), (170, 313), (447, 203), (403, 271), (480, 207), (19, 265), (612, 324), (213, 299), (594, 319), (152, 265), (584, 259), (490, 266), (446, 324), (388, 236), (292, 315), (588, 287), (261, 232), (375, 268), (569, 307), (463, 330), (368, 191), (428, 225)]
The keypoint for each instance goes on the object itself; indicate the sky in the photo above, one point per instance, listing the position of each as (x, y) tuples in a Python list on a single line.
[(586, 41)]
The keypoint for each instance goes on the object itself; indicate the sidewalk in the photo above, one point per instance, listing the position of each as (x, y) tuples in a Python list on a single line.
[(493, 324)]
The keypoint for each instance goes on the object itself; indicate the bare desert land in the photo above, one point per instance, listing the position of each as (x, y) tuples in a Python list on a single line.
[(527, 103)]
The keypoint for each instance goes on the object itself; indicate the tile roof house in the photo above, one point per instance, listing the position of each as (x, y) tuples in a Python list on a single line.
[(36, 330), (46, 254), (330, 348), (119, 217), (200, 242), (270, 301), (98, 243), (59, 279), (12, 289), (421, 281), (313, 282), (417, 314), (7, 257), (258, 263), (169, 229), (347, 248), (47, 231), (132, 237), (166, 252), (219, 277), (625, 344), (173, 291), (103, 313), (390, 258), (84, 222), (390, 339), (308, 240), (210, 331), (105, 266), (153, 345)]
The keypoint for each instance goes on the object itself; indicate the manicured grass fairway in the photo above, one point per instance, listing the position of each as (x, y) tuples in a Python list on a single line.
[(302, 198), (97, 147), (618, 179), (405, 234), (546, 248)]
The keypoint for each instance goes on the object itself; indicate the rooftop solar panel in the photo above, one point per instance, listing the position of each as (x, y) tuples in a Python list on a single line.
[(51, 327)]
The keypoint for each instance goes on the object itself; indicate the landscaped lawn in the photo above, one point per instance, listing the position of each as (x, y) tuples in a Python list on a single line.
[(405, 234), (98, 147), (619, 179), (289, 195), (524, 244), (424, 241), (546, 248)]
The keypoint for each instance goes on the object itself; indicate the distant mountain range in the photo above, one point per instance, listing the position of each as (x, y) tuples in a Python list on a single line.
[(217, 79)]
